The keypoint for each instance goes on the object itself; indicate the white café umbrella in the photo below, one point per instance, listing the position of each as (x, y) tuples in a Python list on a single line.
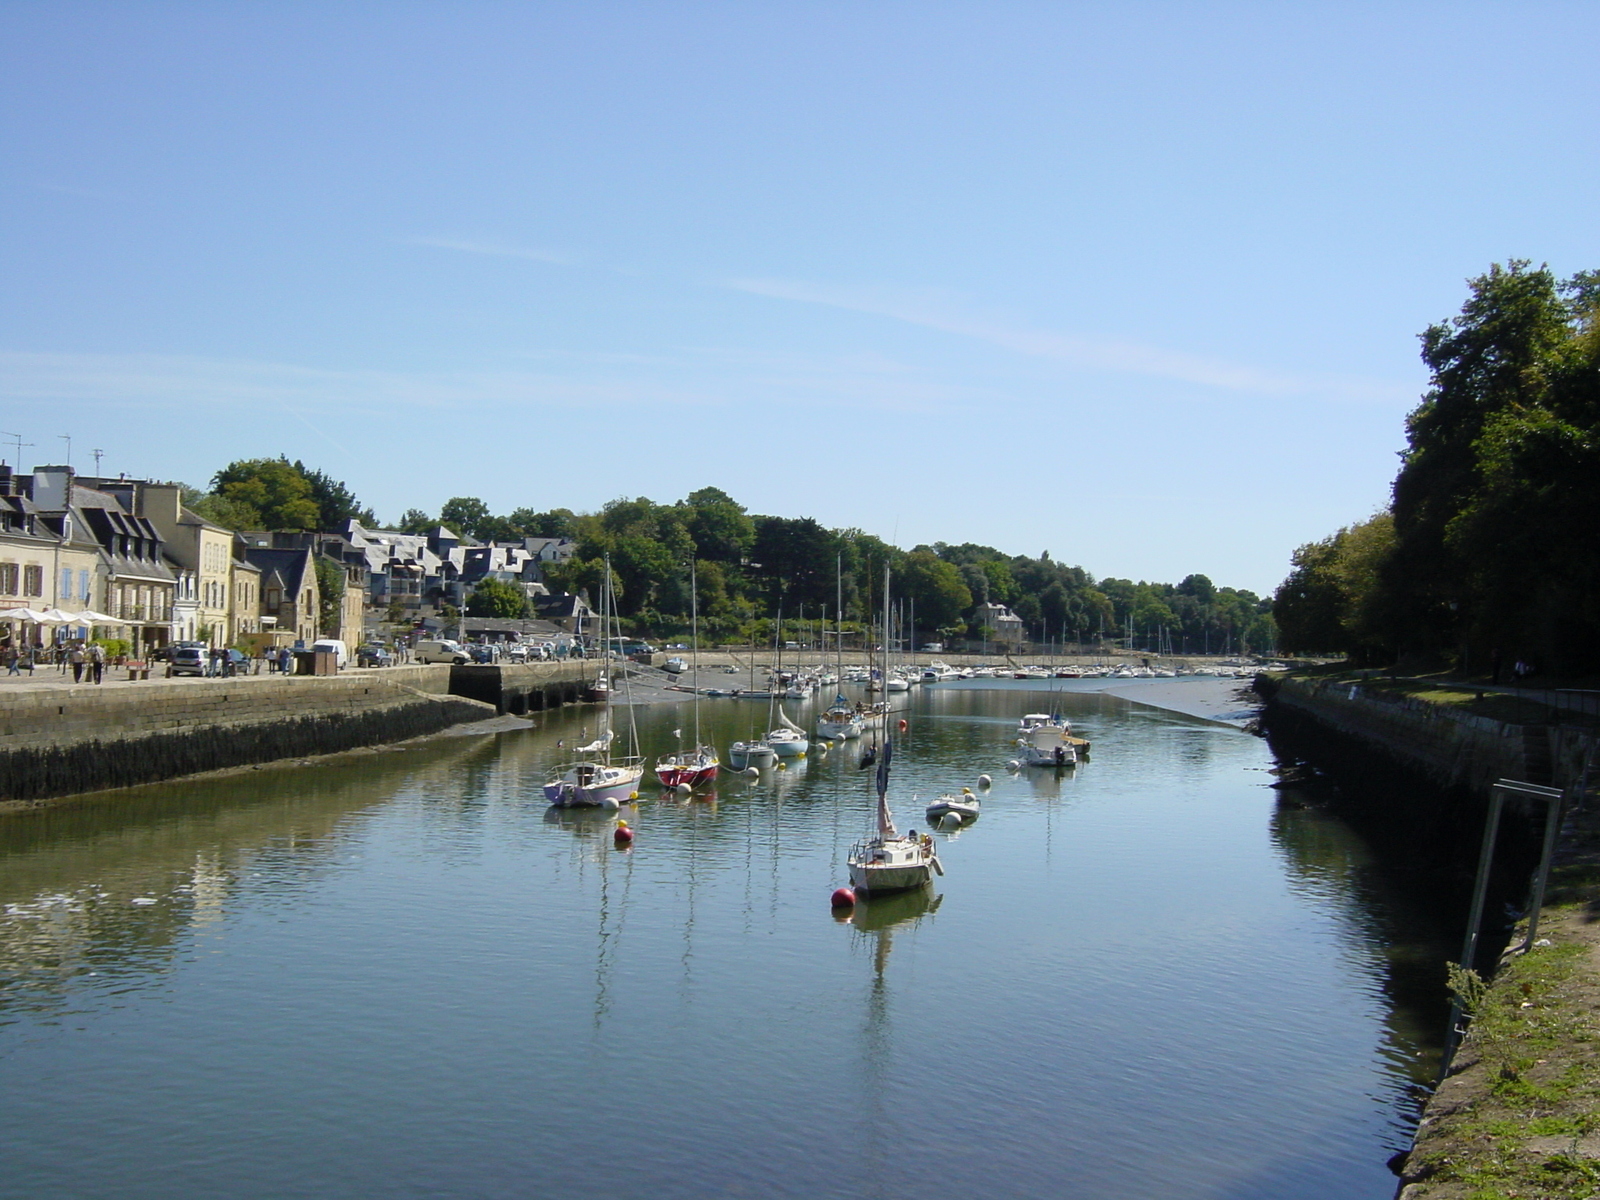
[(89, 617), (32, 615), (56, 616)]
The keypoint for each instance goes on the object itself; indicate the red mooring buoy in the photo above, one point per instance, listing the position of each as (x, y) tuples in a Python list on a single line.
[(904, 725), (623, 835), (843, 898)]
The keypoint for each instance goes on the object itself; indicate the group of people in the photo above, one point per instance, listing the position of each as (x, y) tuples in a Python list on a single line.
[(82, 657), (92, 656)]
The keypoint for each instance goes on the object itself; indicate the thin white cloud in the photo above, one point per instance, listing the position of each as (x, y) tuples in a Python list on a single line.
[(938, 310), (186, 384), (490, 249)]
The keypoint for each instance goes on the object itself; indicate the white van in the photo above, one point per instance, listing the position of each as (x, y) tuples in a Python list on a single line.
[(334, 647), (441, 651)]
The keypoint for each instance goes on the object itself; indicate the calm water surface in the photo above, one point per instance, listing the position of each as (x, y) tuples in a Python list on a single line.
[(401, 976)]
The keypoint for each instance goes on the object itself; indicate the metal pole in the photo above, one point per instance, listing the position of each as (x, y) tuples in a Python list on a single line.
[(1491, 829), (1554, 808)]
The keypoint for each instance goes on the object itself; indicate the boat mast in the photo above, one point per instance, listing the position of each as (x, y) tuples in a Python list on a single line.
[(694, 650), (885, 818)]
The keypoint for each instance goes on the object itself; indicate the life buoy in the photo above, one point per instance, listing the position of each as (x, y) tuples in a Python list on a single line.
[(904, 725)]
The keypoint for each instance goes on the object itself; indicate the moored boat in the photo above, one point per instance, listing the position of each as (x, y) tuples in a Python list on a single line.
[(966, 806)]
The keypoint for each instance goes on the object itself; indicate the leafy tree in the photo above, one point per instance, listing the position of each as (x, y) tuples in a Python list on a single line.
[(721, 529), (464, 515), (496, 598), (220, 510), (558, 522), (415, 521), (935, 588), (1488, 360), (274, 487), (335, 502), (331, 580)]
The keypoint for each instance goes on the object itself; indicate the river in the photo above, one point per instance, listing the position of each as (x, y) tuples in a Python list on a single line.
[(398, 975)]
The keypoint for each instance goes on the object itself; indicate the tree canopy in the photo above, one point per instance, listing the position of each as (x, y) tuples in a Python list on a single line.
[(1492, 543)]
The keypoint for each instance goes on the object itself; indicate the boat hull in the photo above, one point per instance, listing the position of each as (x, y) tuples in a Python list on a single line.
[(895, 864), (967, 810), (790, 746), (744, 755), (580, 789), (694, 770)]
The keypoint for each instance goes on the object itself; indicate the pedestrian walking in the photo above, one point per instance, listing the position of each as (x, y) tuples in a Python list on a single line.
[(78, 658), (12, 658), (97, 661)]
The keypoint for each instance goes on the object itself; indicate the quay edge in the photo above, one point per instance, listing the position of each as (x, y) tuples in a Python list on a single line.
[(1515, 1109), (63, 741)]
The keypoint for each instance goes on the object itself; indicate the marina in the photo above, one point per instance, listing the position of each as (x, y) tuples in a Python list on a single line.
[(404, 973)]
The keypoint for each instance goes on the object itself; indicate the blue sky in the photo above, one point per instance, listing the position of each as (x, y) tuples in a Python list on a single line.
[(1139, 284)]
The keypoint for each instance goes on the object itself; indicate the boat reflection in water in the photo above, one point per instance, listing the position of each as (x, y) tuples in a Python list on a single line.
[(895, 910)]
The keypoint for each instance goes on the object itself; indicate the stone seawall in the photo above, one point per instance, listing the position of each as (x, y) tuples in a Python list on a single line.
[(59, 741), (1452, 748)]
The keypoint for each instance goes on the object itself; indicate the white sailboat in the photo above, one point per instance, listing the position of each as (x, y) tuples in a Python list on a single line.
[(597, 781), (890, 861), (699, 766)]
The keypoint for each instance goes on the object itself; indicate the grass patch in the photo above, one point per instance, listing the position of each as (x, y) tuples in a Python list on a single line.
[(1540, 1069)]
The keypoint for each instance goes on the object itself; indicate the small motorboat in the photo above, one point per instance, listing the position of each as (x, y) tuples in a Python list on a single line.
[(965, 806)]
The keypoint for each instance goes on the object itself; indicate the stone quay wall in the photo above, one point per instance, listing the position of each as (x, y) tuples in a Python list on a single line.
[(1453, 748), (60, 741)]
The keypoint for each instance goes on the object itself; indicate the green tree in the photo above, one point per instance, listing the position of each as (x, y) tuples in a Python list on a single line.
[(556, 523), (935, 588), (1488, 360), (415, 521), (1329, 601), (796, 557), (722, 531), (464, 514), (274, 487), (331, 580), (495, 598), (336, 504), (220, 510)]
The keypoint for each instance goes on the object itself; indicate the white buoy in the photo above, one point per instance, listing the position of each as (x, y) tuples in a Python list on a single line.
[(1014, 765), (610, 804), (752, 773), (984, 781), (682, 789), (950, 820)]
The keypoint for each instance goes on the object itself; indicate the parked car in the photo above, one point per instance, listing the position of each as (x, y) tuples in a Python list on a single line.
[(188, 660), (441, 651), (374, 656)]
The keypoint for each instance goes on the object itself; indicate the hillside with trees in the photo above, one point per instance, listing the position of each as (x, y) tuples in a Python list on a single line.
[(1490, 542), (749, 567)]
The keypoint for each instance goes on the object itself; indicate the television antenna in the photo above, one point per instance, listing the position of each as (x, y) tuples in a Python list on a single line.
[(20, 444)]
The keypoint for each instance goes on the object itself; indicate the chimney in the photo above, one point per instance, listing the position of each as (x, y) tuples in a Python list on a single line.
[(52, 488)]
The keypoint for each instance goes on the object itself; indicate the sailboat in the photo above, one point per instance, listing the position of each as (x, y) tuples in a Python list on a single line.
[(840, 721), (700, 765), (595, 779), (786, 738), (890, 861)]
